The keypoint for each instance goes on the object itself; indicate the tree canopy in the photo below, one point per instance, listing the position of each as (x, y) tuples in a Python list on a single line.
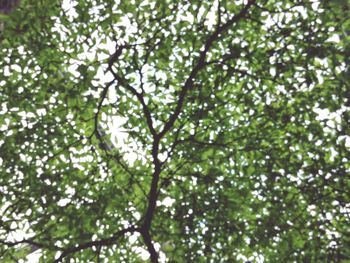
[(175, 131)]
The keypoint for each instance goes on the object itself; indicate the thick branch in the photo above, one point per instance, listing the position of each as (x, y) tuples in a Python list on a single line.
[(152, 197), (102, 242), (201, 64), (151, 250)]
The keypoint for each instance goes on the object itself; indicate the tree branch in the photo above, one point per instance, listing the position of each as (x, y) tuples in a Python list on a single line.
[(102, 242), (139, 96), (151, 250), (24, 241), (99, 107), (152, 197), (201, 64)]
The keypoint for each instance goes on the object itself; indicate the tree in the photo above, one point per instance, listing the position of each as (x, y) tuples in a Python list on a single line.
[(237, 113)]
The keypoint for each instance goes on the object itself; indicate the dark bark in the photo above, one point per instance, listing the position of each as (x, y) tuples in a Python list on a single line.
[(151, 250), (6, 6), (98, 243)]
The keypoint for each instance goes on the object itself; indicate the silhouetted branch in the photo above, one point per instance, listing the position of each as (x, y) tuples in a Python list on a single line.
[(150, 248), (24, 241), (201, 64), (102, 242), (140, 98)]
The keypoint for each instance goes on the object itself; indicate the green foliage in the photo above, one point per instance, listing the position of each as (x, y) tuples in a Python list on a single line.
[(192, 131)]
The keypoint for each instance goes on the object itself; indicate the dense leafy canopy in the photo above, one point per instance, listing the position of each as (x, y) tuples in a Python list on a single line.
[(190, 131)]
